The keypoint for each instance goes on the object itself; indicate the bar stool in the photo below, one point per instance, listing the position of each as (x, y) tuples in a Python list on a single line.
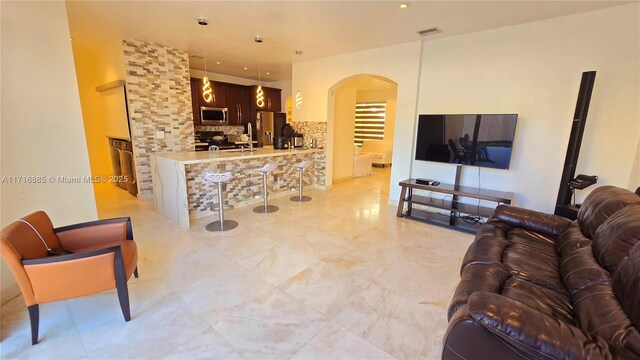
[(222, 224), (301, 166), (265, 208)]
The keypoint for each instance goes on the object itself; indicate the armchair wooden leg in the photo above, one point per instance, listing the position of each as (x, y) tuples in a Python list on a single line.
[(121, 285), (135, 272), (34, 317)]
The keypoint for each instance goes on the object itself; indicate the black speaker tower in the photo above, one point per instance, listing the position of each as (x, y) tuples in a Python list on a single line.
[(575, 140)]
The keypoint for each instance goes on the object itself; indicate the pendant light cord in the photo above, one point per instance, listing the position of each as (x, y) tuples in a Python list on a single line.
[(204, 51)]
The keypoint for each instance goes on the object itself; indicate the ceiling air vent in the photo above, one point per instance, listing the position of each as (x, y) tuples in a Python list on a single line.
[(433, 30), (196, 57)]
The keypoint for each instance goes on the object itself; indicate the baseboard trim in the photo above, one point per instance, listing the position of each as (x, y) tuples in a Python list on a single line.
[(342, 179), (9, 293)]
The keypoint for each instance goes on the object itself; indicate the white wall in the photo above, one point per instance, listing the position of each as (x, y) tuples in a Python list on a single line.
[(42, 130), (97, 64), (634, 178), (534, 70), (344, 115), (399, 63)]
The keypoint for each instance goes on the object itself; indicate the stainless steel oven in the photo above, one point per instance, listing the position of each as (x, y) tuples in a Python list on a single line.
[(214, 116)]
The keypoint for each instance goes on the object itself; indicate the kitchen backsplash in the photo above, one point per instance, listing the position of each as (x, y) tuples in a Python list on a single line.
[(228, 129), (312, 130), (159, 96)]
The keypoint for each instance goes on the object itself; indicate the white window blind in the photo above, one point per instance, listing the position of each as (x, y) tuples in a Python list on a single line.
[(369, 123)]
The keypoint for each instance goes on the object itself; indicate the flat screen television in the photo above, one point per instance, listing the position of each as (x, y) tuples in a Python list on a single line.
[(470, 139)]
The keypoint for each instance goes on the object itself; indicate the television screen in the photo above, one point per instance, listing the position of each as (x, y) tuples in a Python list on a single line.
[(480, 139)]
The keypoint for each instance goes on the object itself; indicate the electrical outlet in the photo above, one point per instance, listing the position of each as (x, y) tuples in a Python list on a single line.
[(159, 134)]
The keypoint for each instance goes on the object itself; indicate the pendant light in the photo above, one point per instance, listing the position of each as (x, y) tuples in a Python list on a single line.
[(259, 91), (298, 100), (207, 90)]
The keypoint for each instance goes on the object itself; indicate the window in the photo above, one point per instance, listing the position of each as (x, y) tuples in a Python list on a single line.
[(369, 123)]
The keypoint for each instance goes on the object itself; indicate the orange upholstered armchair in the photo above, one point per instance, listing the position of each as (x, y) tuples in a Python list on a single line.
[(53, 264)]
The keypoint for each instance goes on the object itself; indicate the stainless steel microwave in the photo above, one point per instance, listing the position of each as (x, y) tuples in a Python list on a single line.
[(214, 116)]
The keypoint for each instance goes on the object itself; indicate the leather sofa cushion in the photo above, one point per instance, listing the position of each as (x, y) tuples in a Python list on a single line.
[(626, 285), (532, 220), (616, 236), (600, 204), (580, 269), (486, 249), (550, 302), (532, 257), (570, 240), (598, 312), (477, 277)]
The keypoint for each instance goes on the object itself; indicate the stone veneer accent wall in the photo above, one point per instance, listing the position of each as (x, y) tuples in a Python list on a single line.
[(312, 130), (320, 167), (159, 96), (248, 184)]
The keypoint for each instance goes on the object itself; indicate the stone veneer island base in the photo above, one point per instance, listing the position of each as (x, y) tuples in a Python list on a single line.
[(181, 194)]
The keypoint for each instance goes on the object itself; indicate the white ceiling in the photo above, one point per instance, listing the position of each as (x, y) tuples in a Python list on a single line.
[(319, 28)]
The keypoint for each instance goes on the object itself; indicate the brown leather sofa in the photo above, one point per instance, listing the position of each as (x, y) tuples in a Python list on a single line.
[(537, 286), (102, 256)]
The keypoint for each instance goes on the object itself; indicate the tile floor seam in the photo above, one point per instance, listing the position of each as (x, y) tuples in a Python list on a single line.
[(75, 326), (311, 339), (160, 356), (360, 337)]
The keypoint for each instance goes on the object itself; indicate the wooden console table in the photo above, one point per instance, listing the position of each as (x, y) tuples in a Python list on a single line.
[(458, 215)]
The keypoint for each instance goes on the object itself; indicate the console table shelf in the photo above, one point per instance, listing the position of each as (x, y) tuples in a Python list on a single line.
[(445, 212)]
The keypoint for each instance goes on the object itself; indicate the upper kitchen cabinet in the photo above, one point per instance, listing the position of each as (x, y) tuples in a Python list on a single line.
[(272, 97), (195, 100), (237, 101), (272, 100), (218, 98)]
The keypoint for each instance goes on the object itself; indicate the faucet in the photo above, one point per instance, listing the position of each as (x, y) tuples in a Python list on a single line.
[(250, 137)]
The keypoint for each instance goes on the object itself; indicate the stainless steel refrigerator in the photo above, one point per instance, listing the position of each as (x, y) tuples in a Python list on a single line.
[(264, 127), (269, 125)]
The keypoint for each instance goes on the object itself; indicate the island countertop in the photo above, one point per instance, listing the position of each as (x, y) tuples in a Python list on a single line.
[(182, 194), (195, 157)]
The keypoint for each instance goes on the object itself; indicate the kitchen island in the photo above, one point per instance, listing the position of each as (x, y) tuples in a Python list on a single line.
[(181, 194)]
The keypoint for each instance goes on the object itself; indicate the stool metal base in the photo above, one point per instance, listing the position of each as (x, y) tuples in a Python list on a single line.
[(227, 225), (270, 209), (297, 198)]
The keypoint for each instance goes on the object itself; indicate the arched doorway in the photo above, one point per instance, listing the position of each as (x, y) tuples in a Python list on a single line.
[(362, 110)]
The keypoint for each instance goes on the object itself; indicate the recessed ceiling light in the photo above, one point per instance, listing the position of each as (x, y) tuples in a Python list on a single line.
[(268, 73), (246, 68), (298, 51), (218, 62), (202, 21), (404, 5)]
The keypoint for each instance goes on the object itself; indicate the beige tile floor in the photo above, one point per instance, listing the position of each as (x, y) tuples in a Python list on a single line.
[(339, 277)]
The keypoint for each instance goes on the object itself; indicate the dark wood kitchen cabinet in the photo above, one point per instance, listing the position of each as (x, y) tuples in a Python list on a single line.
[(219, 94), (237, 101), (195, 101), (272, 100), (240, 101)]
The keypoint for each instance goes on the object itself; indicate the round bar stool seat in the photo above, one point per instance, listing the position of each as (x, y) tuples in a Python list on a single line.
[(265, 208), (221, 224), (301, 198)]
